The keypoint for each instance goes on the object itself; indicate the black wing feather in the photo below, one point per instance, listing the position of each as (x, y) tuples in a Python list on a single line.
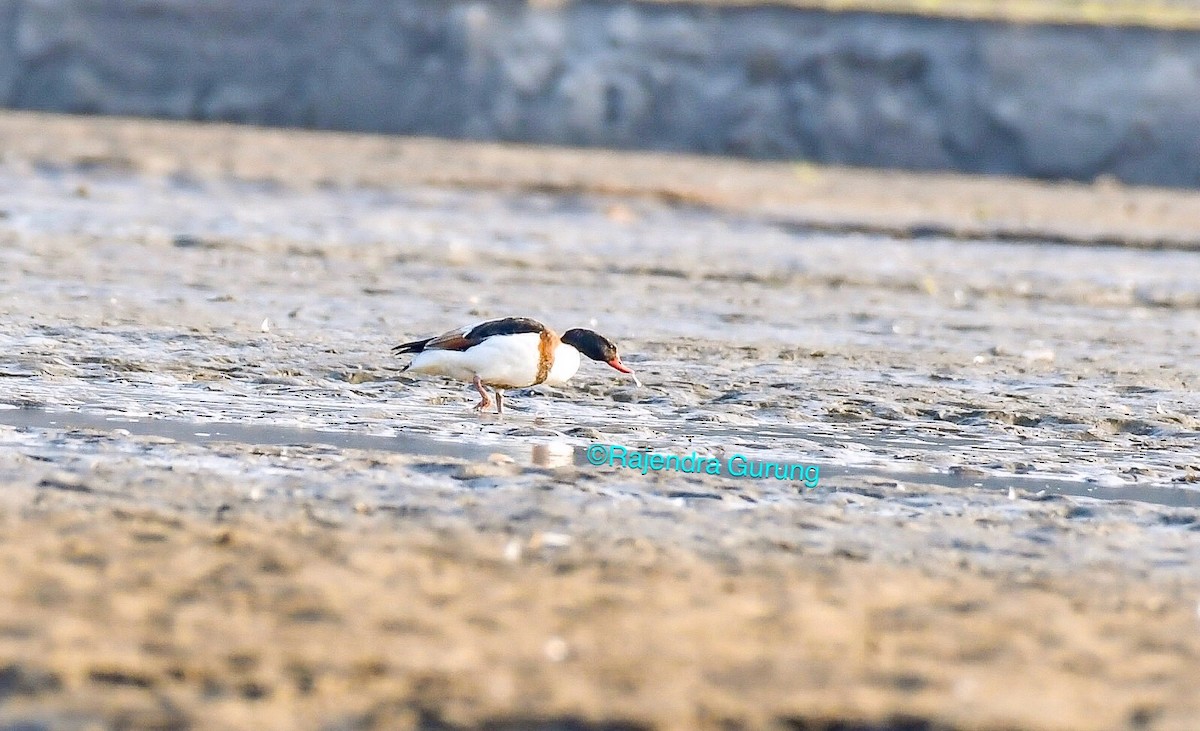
[(415, 346)]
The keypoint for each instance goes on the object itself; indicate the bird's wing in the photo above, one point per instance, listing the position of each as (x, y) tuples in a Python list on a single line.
[(415, 346), (465, 337)]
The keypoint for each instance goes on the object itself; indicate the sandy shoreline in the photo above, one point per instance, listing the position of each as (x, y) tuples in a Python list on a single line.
[(1171, 14), (296, 620), (164, 573), (808, 197)]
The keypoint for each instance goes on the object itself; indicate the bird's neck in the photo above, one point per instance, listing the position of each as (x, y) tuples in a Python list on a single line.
[(566, 363)]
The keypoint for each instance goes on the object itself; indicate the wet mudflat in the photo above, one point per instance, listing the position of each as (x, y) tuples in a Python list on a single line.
[(222, 500)]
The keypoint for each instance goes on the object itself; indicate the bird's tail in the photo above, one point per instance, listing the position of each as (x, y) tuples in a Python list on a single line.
[(415, 346)]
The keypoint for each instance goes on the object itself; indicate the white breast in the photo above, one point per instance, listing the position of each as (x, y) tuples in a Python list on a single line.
[(503, 360), (566, 362)]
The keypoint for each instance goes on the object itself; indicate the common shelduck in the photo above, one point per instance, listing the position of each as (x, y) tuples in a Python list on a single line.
[(514, 352)]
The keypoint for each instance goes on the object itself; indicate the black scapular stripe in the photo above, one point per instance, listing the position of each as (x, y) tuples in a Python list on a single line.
[(458, 340), (505, 326)]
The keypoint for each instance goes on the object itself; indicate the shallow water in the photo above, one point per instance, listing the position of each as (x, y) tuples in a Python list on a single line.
[(260, 312), (553, 453)]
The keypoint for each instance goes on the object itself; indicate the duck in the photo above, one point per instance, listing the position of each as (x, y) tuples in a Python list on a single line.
[(508, 353)]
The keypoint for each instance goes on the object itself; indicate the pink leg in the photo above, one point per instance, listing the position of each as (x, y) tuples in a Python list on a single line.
[(484, 400)]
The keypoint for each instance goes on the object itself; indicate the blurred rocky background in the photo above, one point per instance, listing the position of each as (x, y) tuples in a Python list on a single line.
[(1043, 89)]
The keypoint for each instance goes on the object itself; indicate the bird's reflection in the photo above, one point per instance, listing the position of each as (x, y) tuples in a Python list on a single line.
[(554, 454)]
